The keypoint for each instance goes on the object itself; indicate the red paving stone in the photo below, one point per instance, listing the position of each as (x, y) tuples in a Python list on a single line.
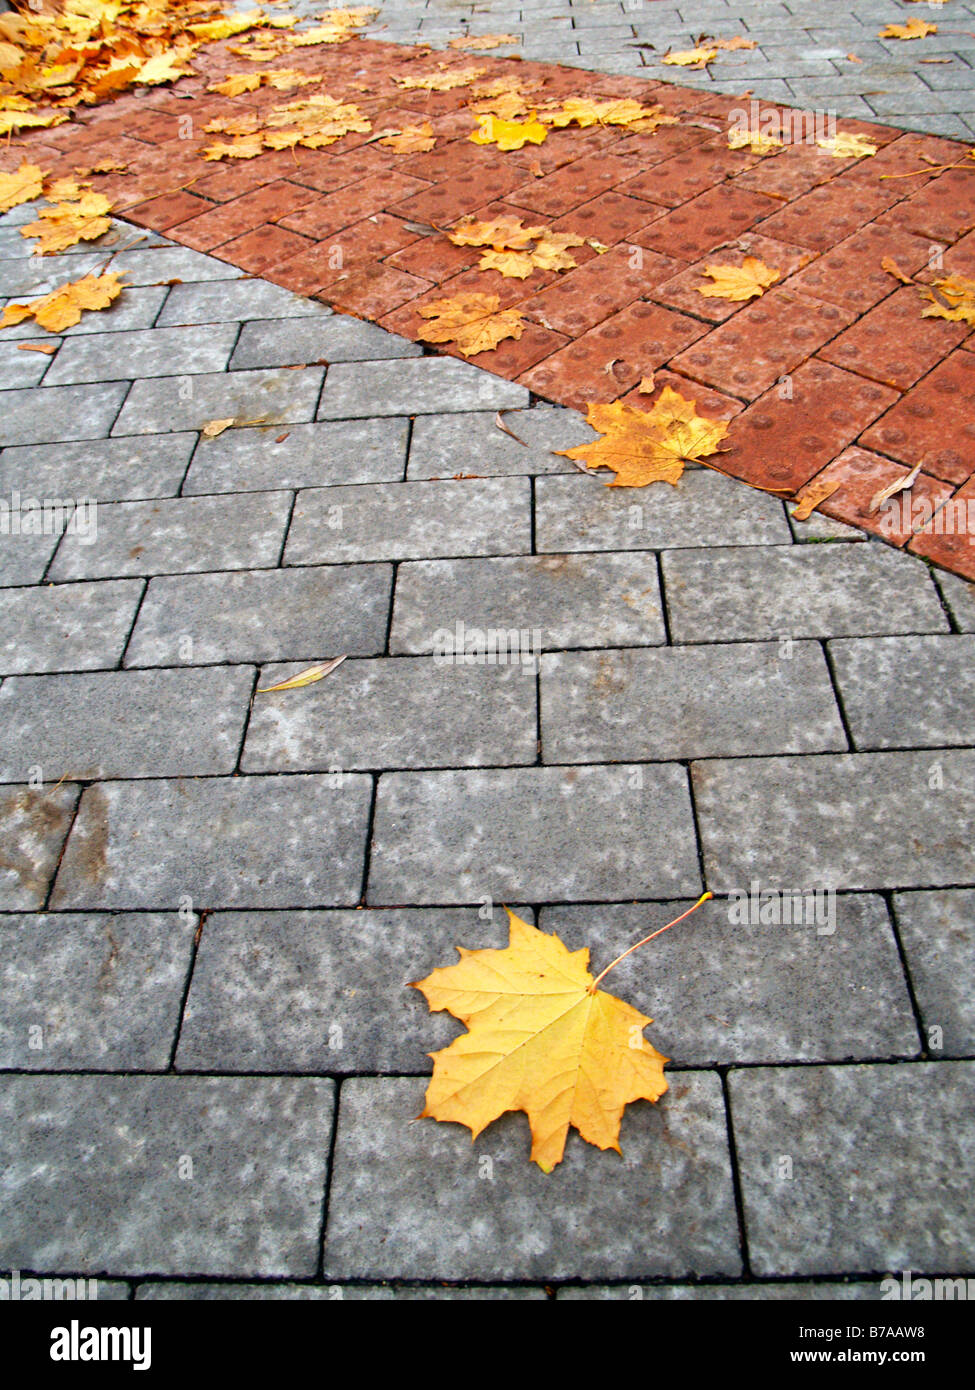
[(833, 373)]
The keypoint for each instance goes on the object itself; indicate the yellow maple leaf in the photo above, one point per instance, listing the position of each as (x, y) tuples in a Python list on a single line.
[(959, 294), (541, 1039), (442, 81), (913, 29), (550, 251), (751, 278), (847, 146), (484, 41), (753, 140), (734, 43), (512, 264), (623, 111), (412, 139), (475, 322), (692, 57), (237, 83), (505, 232), (643, 447), (22, 186), (509, 135), (64, 306), (164, 67), (14, 119), (76, 219), (246, 147)]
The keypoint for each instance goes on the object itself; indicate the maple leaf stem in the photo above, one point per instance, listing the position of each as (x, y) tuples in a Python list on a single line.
[(659, 932)]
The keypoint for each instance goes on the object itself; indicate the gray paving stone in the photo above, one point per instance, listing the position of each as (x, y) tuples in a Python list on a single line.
[(163, 404), (410, 521), (109, 470), (799, 591), (223, 842), (421, 387), (148, 352), (350, 1293), (178, 535), (35, 822), (702, 702), (159, 264), (96, 1173), (725, 1293), (391, 713), (927, 687), (72, 627), (827, 989), (269, 615), (28, 278), (97, 726), (960, 596), (99, 991), (851, 819), (573, 600), (336, 338), (223, 300), (820, 527), (20, 368), (412, 1200), (50, 414), (271, 990), (135, 308), (443, 445), (313, 455), (938, 934), (23, 559), (880, 1158), (583, 834), (578, 513)]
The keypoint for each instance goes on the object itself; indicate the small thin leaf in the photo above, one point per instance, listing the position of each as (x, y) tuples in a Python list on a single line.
[(309, 676), (899, 485)]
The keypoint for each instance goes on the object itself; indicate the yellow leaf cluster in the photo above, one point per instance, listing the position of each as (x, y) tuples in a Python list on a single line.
[(509, 135), (484, 41), (643, 447), (22, 186), (956, 302), (444, 80), (625, 112), (541, 1039), (312, 122), (77, 214), (509, 246), (64, 306), (846, 146), (412, 139), (474, 322)]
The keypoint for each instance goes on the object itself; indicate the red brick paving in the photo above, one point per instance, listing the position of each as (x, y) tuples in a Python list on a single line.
[(832, 374)]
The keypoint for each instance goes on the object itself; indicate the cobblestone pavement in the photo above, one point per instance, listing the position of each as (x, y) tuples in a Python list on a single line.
[(211, 898)]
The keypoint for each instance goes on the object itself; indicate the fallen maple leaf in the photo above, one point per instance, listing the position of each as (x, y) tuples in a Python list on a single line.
[(913, 29), (753, 140), (751, 278), (412, 139), (733, 43), (643, 447), (64, 306), (475, 322), (484, 41), (77, 218), (810, 497), (621, 111), (237, 83), (506, 231), (892, 268), (508, 135), (22, 186), (956, 302), (541, 1039), (847, 146), (442, 81), (692, 57)]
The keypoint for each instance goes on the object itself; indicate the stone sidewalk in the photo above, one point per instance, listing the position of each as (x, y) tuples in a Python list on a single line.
[(211, 898)]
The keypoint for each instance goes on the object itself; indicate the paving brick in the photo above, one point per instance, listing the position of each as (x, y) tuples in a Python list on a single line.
[(893, 343), (36, 820), (222, 300), (455, 836), (104, 991), (682, 177), (118, 470), (400, 712), (414, 388), (846, 810), (372, 292), (385, 1293), (726, 989), (264, 248), (150, 352), (269, 991), (757, 593), (911, 1132), (160, 264), (609, 218), (707, 221), (147, 844), (444, 202), (573, 513), (93, 1179), (683, 291), (960, 597), (444, 445), (947, 538), (421, 1212), (942, 209), (632, 343), (933, 421), (409, 521), (169, 210), (44, 415), (851, 273), (24, 558), (217, 224), (577, 301), (717, 701), (22, 368), (270, 615), (573, 185), (300, 456), (94, 726), (135, 309), (178, 535), (334, 339), (827, 215), (936, 933), (574, 600), (792, 432), (323, 216), (929, 693), (66, 627), (162, 404), (779, 1292), (863, 476), (763, 342)]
